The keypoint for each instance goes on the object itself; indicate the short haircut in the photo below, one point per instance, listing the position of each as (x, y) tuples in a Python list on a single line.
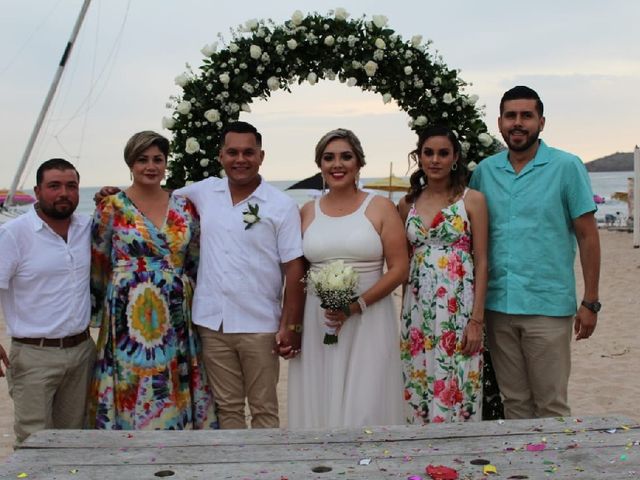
[(140, 141), (240, 127), (522, 93), (340, 134), (54, 164)]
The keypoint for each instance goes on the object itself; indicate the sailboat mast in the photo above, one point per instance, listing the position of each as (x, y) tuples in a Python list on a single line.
[(47, 103)]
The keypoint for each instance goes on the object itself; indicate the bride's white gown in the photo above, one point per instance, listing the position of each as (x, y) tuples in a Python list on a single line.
[(357, 381)]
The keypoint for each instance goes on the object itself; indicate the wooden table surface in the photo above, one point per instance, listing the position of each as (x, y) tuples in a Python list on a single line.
[(557, 448)]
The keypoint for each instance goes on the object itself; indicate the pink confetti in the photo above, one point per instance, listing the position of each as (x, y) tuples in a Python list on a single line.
[(536, 447)]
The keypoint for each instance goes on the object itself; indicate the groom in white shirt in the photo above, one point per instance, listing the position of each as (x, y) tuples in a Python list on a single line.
[(250, 239)]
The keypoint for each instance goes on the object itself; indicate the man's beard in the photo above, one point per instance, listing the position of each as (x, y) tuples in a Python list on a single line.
[(523, 146), (61, 211)]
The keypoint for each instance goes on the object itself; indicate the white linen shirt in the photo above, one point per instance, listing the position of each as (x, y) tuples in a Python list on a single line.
[(44, 281), (240, 276)]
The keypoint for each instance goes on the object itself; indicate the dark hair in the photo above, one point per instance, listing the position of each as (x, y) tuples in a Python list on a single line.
[(54, 164), (418, 179), (240, 127), (519, 93), (140, 141), (340, 134)]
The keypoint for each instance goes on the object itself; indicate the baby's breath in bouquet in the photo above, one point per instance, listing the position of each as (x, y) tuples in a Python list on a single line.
[(335, 284)]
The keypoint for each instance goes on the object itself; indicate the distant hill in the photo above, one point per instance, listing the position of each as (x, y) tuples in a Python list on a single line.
[(617, 162)]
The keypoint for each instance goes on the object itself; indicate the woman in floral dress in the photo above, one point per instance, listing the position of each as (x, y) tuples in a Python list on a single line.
[(144, 259), (443, 306)]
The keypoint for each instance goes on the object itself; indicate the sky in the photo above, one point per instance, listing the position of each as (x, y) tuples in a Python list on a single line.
[(583, 58)]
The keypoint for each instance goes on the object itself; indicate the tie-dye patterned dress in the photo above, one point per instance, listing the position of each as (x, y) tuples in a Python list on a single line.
[(441, 384), (148, 374)]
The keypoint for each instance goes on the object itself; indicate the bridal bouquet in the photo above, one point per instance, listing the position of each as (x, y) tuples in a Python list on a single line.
[(335, 284)]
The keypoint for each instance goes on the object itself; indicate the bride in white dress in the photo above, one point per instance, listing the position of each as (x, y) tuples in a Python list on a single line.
[(357, 381)]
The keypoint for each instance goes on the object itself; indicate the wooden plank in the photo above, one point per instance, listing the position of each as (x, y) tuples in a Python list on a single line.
[(574, 449), (73, 438), (603, 463), (327, 450)]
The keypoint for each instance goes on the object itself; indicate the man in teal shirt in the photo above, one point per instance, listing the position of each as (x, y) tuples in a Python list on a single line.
[(540, 205)]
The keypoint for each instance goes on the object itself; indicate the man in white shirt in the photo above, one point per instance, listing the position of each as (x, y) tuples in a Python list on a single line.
[(250, 236), (44, 293)]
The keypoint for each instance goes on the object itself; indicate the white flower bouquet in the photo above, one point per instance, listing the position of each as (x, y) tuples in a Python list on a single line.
[(335, 284)]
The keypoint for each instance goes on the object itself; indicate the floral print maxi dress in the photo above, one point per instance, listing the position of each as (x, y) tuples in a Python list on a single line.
[(148, 374), (441, 384)]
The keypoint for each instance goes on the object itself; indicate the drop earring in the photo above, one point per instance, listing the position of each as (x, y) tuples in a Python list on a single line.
[(454, 167), (324, 185), (357, 182)]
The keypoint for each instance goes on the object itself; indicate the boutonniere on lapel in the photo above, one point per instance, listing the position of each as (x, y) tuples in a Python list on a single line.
[(250, 216)]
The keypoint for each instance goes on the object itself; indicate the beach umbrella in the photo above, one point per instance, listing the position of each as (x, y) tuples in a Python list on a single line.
[(19, 198), (390, 184), (311, 183)]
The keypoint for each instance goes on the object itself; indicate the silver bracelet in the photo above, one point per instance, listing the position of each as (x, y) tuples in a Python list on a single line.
[(363, 304)]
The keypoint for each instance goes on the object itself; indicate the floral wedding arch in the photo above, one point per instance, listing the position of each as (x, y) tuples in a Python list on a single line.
[(263, 57)]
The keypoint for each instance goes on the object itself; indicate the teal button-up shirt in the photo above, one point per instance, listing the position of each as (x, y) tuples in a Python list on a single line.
[(532, 243)]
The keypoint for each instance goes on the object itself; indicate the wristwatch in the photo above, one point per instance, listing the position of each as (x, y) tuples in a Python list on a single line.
[(593, 306)]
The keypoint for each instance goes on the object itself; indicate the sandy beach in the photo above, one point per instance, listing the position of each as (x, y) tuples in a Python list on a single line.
[(604, 377)]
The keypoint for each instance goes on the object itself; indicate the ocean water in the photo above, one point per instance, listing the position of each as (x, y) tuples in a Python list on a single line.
[(603, 184)]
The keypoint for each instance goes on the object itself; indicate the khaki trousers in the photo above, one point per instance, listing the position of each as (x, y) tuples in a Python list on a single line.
[(49, 386), (239, 366), (531, 356)]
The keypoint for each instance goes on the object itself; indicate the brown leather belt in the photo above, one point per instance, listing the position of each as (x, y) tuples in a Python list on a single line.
[(66, 342)]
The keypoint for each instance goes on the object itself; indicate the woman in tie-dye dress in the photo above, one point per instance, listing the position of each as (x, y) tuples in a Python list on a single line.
[(443, 307), (148, 374)]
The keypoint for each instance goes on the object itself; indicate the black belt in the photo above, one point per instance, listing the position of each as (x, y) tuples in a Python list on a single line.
[(66, 342)]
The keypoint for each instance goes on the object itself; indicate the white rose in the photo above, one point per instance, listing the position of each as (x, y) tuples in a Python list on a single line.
[(408, 70), (386, 98), (192, 146), (437, 81), (181, 80), (251, 24), (273, 83), (312, 78), (352, 40), (416, 40), (420, 121), (370, 68), (255, 51), (249, 218), (330, 74), (471, 166), (280, 49), (222, 174), (378, 54), (465, 146), (297, 17), (448, 98), (248, 88), (168, 123), (329, 40), (445, 114), (233, 47), (204, 162), (408, 54), (184, 107), (341, 14), (265, 57), (380, 20), (473, 99), (351, 82), (209, 49), (292, 44), (485, 139), (205, 174), (212, 115), (224, 78), (380, 44), (245, 108), (355, 64), (233, 107)]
